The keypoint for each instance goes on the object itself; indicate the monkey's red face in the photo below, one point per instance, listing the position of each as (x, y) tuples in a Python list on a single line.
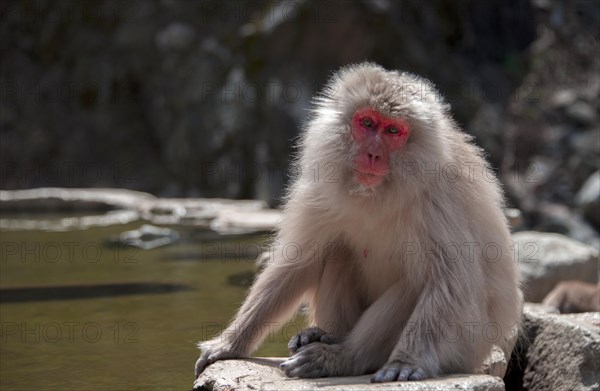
[(378, 137)]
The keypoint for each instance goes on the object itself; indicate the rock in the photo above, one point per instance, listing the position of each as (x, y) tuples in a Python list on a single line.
[(553, 217), (194, 211), (124, 206), (563, 98), (588, 199), (495, 364), (264, 374), (540, 308), (582, 113), (115, 217), (118, 206), (54, 199), (591, 319), (246, 221), (146, 237), (558, 352), (545, 259), (558, 218), (178, 36), (587, 143)]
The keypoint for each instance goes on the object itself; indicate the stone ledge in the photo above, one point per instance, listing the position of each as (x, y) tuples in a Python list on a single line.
[(103, 207), (556, 352), (264, 374)]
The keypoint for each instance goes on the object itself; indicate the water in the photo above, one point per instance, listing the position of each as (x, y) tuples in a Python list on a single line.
[(80, 314)]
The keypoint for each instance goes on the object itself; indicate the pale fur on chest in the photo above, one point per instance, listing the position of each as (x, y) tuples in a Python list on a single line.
[(373, 238)]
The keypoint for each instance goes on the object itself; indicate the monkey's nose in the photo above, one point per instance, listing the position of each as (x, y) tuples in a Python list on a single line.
[(373, 158)]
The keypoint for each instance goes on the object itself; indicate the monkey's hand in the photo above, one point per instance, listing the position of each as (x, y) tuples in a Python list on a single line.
[(214, 350), (318, 360), (310, 335), (399, 370)]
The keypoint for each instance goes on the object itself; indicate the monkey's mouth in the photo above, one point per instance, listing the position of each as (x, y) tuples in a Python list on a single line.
[(368, 179)]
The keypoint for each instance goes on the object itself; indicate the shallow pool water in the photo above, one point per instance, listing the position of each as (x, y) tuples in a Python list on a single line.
[(79, 313)]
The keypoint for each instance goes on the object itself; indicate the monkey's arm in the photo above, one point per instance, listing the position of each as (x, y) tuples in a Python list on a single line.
[(273, 299)]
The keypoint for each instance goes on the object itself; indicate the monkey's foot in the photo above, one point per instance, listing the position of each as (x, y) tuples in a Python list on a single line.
[(310, 335), (398, 370), (317, 360)]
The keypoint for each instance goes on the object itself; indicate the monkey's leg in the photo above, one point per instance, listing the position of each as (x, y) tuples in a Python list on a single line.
[(443, 335), (335, 308), (366, 348), (273, 299)]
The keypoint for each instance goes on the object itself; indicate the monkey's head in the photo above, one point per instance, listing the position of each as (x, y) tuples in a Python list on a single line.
[(377, 123)]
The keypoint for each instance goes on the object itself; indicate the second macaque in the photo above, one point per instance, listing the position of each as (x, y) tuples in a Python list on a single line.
[(574, 296)]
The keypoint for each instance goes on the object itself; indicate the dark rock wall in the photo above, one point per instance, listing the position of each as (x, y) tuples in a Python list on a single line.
[(204, 98)]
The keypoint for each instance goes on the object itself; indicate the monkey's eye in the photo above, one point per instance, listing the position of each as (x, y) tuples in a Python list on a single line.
[(367, 122), (392, 130)]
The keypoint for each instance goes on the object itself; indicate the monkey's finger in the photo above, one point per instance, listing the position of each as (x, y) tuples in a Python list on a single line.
[(287, 366), (411, 372), (306, 338), (303, 367), (385, 375), (418, 374), (294, 362), (310, 335), (405, 373), (201, 363), (294, 344)]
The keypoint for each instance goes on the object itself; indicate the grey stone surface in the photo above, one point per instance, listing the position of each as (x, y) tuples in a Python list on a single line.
[(103, 207), (239, 221), (495, 364), (52, 199), (264, 374), (559, 352), (559, 218), (146, 237), (540, 309), (546, 259)]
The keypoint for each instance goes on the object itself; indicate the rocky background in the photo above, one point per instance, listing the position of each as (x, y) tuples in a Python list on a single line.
[(204, 98)]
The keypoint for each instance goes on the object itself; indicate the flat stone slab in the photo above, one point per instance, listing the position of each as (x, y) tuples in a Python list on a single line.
[(264, 374), (103, 207), (57, 199), (557, 352), (240, 221)]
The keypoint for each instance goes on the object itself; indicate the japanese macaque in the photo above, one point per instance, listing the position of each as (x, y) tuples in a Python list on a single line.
[(574, 296), (393, 233)]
